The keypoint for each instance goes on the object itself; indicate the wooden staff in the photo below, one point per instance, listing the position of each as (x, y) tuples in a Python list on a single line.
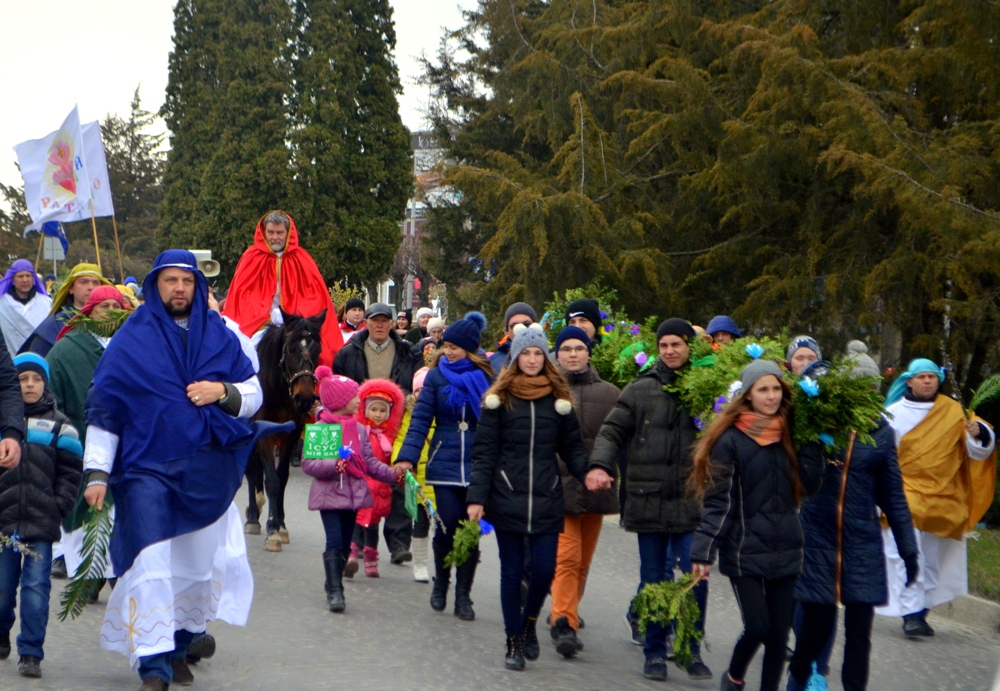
[(93, 224), (41, 239), (118, 249)]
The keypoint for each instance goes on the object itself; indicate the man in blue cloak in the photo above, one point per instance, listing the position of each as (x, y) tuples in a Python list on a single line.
[(167, 433)]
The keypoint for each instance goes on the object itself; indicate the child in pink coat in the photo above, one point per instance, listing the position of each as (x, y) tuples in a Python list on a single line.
[(340, 486)]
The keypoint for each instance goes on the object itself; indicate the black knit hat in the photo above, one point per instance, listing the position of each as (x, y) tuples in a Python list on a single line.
[(589, 310), (675, 326), (354, 303), (519, 308)]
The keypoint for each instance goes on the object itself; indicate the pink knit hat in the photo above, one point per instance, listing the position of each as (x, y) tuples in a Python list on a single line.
[(335, 390), (418, 378)]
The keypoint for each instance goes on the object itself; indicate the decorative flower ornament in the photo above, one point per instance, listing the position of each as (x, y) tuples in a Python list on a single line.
[(635, 330), (719, 404), (810, 386), (608, 328), (826, 439), (484, 527), (755, 350), (699, 424), (641, 359), (604, 315)]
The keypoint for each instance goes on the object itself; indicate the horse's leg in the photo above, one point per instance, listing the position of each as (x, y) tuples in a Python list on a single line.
[(283, 469), (255, 479), (273, 486)]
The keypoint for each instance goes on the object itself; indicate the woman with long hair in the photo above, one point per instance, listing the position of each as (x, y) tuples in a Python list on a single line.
[(527, 420), (752, 480), (448, 410)]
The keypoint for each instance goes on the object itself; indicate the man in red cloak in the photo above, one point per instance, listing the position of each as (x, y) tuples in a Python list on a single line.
[(276, 274)]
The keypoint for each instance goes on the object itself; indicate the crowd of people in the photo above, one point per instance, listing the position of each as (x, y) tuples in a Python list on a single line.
[(148, 409)]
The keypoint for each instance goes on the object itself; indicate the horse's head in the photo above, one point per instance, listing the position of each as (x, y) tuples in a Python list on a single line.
[(300, 357)]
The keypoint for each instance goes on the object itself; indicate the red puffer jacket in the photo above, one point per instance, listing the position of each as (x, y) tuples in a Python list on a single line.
[(381, 439)]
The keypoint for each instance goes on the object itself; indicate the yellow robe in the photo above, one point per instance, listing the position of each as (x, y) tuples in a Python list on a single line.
[(947, 491)]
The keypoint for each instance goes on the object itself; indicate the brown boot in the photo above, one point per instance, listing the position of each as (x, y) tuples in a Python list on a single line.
[(153, 684), (182, 673)]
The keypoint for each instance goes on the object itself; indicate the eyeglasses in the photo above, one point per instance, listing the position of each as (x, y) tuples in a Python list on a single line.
[(571, 350)]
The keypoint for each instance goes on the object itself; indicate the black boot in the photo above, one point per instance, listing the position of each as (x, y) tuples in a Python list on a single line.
[(333, 564), (442, 579), (464, 575), (514, 659), (530, 638)]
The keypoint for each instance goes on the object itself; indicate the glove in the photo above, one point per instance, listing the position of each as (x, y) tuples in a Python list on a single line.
[(912, 569)]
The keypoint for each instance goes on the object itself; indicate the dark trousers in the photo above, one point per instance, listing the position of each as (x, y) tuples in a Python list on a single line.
[(422, 524), (33, 575), (159, 665), (512, 549), (659, 554), (339, 526), (819, 624), (451, 509), (398, 526), (823, 659), (366, 537), (767, 606)]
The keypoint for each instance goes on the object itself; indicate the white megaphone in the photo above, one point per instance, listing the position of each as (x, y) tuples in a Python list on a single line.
[(208, 266)]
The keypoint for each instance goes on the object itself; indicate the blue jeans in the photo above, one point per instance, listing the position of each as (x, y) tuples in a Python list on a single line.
[(543, 569), (33, 573), (659, 553), (339, 527), (159, 665)]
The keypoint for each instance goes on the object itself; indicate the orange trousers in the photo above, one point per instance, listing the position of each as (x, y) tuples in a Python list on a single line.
[(577, 543)]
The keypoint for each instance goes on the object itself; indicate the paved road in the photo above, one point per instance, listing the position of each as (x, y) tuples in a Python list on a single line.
[(390, 638)]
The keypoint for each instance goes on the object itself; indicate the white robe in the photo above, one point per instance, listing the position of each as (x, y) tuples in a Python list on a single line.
[(943, 562), (17, 321)]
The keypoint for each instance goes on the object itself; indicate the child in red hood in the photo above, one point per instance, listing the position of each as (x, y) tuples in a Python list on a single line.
[(381, 409)]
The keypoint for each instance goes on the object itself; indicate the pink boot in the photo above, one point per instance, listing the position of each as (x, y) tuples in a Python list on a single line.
[(371, 562), (351, 567)]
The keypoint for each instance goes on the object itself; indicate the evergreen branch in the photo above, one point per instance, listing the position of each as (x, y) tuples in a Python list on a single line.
[(90, 574), (671, 603), (14, 542), (466, 541)]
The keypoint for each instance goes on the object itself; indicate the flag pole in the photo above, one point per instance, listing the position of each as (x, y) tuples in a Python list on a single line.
[(41, 239), (93, 224), (118, 248)]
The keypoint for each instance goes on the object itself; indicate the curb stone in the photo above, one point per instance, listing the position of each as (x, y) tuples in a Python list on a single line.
[(972, 611)]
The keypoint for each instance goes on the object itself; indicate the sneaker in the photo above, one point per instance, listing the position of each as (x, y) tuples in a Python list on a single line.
[(202, 647), (633, 630), (565, 638), (915, 626), (729, 685), (59, 568), (655, 669), (697, 669), (401, 557), (4, 646), (30, 666)]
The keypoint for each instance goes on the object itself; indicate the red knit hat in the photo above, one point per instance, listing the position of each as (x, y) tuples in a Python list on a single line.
[(335, 390)]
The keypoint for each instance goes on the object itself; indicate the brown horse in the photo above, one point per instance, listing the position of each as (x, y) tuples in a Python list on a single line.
[(288, 357)]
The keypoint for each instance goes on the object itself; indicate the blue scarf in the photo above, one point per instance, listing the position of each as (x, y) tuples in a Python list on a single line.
[(918, 366), (466, 384), (178, 466)]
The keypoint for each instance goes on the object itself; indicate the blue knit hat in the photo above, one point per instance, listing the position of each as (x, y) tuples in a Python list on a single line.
[(722, 322), (918, 366), (465, 333), (574, 332), (30, 362), (526, 337)]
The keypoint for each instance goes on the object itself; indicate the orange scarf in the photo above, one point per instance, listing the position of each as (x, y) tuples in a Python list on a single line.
[(763, 429), (530, 388)]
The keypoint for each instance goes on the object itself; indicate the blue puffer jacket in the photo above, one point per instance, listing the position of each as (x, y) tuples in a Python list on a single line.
[(872, 479), (449, 461)]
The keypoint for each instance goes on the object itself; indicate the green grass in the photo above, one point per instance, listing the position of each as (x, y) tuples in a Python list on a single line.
[(984, 565)]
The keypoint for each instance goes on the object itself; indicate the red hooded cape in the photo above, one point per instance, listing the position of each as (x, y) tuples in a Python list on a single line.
[(303, 290)]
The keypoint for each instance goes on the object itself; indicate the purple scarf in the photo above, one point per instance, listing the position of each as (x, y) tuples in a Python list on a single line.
[(17, 267), (466, 384)]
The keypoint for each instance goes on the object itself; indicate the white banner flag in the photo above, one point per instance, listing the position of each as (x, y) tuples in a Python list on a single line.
[(54, 169)]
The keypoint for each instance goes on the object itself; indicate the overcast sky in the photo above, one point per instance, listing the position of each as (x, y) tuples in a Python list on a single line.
[(57, 53)]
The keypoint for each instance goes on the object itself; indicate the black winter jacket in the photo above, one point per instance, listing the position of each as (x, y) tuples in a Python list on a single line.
[(750, 516), (660, 435), (352, 363), (40, 491), (515, 474), (872, 479)]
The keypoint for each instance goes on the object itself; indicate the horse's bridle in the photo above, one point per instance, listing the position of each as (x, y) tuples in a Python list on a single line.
[(290, 377)]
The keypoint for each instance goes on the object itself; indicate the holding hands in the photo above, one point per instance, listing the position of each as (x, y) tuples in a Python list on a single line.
[(598, 479), (10, 453)]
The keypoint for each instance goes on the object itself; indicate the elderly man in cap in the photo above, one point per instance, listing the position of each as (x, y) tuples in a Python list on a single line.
[(377, 352)]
